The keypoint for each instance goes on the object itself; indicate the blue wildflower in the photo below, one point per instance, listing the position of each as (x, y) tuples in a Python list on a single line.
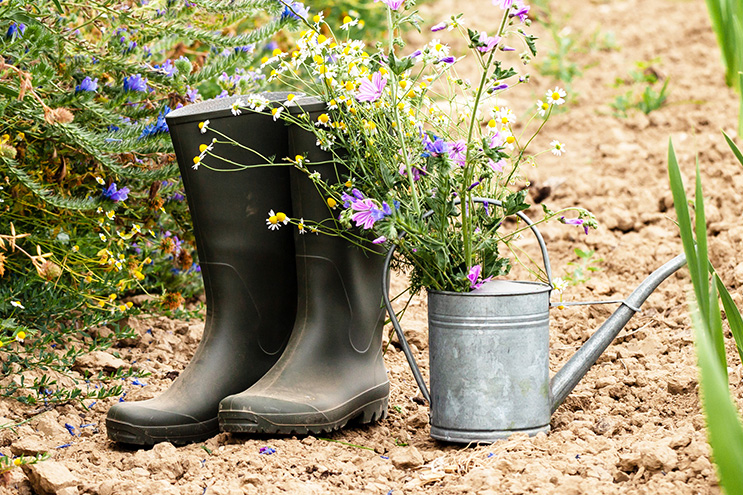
[(135, 83), (297, 11), (114, 194), (70, 428), (192, 94), (15, 30), (168, 68), (87, 84), (267, 450), (158, 127), (435, 146)]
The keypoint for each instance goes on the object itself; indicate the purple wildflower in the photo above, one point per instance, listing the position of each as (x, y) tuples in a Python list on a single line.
[(392, 4), (135, 83), (168, 68), (297, 11), (372, 90), (521, 10), (87, 84), (496, 166), (575, 221), (458, 152), (446, 60), (15, 30), (500, 86), (440, 26), (415, 54), (474, 275), (192, 94), (487, 43), (379, 240), (113, 194), (435, 147), (160, 126), (348, 199), (504, 4), (368, 213), (417, 172), (266, 450)]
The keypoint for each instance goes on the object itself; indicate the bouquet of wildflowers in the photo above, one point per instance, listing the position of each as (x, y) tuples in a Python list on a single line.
[(418, 146)]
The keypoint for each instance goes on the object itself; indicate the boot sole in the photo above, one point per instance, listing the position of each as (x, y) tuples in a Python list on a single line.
[(363, 410), (127, 433)]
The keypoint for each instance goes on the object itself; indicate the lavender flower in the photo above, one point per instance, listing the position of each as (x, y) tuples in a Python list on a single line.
[(446, 60), (435, 147), (521, 10), (379, 240), (87, 84), (135, 83), (372, 90), (440, 26), (113, 194), (504, 4), (487, 43)]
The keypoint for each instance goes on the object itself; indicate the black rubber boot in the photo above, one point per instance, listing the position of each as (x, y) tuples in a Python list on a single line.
[(249, 273), (332, 370)]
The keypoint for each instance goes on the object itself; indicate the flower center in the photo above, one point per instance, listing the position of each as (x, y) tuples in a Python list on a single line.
[(556, 95)]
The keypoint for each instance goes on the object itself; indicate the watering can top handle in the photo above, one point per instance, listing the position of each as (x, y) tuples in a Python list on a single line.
[(393, 317)]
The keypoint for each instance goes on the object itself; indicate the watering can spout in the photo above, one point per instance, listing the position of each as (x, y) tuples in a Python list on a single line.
[(572, 372)]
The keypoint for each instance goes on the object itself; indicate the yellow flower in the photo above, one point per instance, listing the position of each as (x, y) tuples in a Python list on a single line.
[(138, 275), (20, 336), (112, 297), (316, 18), (332, 202), (348, 183), (276, 51), (322, 38), (122, 307), (347, 19), (202, 148), (264, 59), (492, 123), (281, 217), (17, 461), (323, 118), (196, 159)]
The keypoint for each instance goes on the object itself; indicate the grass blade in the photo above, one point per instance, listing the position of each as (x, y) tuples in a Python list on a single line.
[(734, 147), (680, 203), (725, 432), (733, 315), (714, 328), (700, 229)]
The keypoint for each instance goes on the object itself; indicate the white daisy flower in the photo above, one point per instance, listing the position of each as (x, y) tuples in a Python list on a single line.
[(235, 107), (17, 304), (257, 103), (542, 107), (204, 126), (276, 112), (558, 148), (556, 96), (559, 285), (300, 226)]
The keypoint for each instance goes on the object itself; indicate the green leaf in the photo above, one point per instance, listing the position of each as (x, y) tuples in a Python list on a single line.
[(724, 429), (682, 213), (731, 311), (736, 150), (702, 255)]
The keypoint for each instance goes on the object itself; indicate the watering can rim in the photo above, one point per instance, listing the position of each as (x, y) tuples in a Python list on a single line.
[(484, 291)]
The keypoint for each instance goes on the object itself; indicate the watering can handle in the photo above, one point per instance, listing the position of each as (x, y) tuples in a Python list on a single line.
[(396, 323)]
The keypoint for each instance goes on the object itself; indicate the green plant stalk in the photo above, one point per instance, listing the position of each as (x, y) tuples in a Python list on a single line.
[(466, 193), (398, 124)]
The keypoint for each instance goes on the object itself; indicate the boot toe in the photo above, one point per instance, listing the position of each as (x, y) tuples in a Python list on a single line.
[(146, 424)]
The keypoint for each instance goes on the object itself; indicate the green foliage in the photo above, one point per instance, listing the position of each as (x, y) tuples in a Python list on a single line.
[(557, 62), (91, 205), (581, 269), (725, 431), (642, 94), (727, 22)]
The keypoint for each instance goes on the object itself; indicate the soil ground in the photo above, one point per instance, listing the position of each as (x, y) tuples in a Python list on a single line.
[(632, 426)]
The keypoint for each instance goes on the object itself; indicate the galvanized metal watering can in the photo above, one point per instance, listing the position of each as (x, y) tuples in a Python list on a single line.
[(489, 353)]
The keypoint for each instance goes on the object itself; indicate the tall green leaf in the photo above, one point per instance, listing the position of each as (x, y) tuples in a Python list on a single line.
[(733, 314)]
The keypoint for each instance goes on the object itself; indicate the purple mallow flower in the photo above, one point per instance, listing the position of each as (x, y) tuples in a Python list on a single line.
[(446, 60), (392, 4), (440, 26), (87, 84), (372, 90), (379, 240), (114, 194), (521, 10), (417, 172), (135, 83), (474, 275), (458, 152), (488, 42)]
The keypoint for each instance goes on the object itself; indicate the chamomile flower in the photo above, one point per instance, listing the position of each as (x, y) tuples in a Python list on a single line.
[(103, 237), (20, 336), (300, 226), (556, 96), (257, 103), (276, 220), (235, 107), (557, 148), (204, 126), (349, 22), (276, 112), (289, 98), (322, 120), (110, 215), (100, 181), (542, 107), (17, 304), (559, 285)]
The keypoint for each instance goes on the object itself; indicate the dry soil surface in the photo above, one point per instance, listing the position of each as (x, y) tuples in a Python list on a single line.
[(633, 425)]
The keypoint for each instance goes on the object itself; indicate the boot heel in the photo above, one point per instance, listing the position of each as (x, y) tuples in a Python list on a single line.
[(374, 412)]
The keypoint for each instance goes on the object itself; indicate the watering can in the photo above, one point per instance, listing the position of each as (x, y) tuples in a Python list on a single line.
[(489, 353)]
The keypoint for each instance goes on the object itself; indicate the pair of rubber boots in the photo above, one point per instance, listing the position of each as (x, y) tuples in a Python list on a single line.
[(292, 338)]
